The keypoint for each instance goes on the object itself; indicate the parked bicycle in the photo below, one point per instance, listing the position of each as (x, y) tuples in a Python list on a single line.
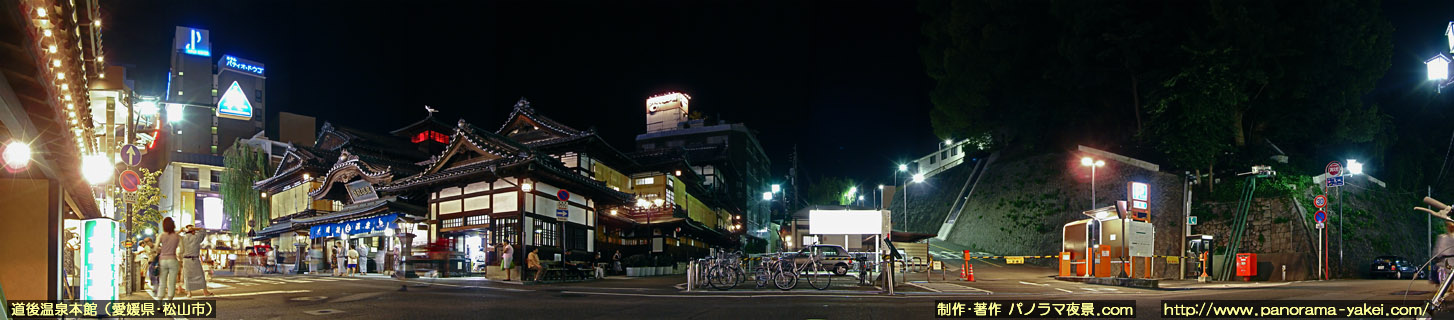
[(723, 271), (803, 265)]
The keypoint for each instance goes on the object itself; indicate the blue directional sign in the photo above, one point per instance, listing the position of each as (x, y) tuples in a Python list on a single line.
[(1320, 216), (131, 155), (1334, 181), (234, 104)]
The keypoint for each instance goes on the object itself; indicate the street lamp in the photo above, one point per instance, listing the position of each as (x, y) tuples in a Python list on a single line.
[(96, 169), (916, 178), (1093, 164), (777, 188), (880, 199), (17, 156)]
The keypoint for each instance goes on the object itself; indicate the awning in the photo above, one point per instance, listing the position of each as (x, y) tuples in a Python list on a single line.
[(365, 225)]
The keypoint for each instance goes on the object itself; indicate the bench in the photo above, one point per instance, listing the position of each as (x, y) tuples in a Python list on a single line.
[(555, 270)]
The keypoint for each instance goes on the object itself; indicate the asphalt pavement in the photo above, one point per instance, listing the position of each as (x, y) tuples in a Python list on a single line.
[(664, 297)]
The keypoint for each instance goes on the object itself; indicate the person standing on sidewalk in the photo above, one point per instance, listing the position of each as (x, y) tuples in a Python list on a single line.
[(167, 248), (340, 259), (507, 260)]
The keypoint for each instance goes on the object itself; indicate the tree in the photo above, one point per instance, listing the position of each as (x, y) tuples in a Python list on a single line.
[(1191, 79), (145, 211), (245, 207), (828, 191)]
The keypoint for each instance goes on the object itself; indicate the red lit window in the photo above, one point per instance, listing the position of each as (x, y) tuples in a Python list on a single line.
[(429, 135)]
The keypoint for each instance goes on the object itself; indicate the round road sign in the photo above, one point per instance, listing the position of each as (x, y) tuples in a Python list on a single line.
[(562, 195), (1320, 216), (1334, 168), (131, 155), (1320, 201), (130, 180)]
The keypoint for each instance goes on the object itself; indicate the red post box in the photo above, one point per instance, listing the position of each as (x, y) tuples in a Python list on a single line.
[(1246, 266)]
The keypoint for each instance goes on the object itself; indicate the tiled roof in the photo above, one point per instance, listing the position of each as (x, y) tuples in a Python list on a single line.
[(429, 122), (523, 107), (361, 210)]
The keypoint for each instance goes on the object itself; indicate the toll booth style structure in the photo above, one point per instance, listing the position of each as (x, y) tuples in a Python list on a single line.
[(1109, 243)]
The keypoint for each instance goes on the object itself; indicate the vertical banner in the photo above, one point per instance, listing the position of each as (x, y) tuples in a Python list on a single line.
[(99, 259)]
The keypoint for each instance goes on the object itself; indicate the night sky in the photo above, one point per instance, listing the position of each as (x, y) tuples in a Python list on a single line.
[(842, 80)]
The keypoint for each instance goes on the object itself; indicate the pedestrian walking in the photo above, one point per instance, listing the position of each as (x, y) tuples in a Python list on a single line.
[(352, 262), (507, 257), (196, 279), (167, 253), (616, 261)]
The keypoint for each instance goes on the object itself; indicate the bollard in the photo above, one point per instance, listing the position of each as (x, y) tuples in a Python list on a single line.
[(691, 273), (1284, 273)]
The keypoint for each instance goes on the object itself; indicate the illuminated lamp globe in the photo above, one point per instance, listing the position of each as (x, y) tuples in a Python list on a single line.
[(918, 177), (17, 155), (96, 169), (1437, 67)]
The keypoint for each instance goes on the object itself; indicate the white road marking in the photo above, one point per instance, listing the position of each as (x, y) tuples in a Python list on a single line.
[(259, 293), (1035, 284), (924, 287), (1066, 291), (466, 286), (295, 280)]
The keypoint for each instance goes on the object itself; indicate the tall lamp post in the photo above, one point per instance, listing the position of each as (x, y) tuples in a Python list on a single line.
[(1438, 71), (1093, 164), (880, 199), (916, 178)]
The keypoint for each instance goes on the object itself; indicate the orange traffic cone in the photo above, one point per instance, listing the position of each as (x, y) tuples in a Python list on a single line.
[(971, 273), (963, 275)]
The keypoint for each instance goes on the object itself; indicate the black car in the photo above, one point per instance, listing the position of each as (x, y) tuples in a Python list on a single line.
[(1393, 267)]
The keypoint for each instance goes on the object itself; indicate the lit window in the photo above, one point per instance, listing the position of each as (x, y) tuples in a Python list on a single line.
[(646, 181)]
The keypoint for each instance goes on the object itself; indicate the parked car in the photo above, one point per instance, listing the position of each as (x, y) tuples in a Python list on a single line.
[(1394, 267), (834, 257)]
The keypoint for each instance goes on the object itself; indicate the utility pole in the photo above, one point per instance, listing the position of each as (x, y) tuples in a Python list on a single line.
[(1185, 222), (1340, 228)]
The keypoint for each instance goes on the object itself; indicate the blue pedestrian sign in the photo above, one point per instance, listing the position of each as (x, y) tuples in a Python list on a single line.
[(1320, 216), (131, 155), (1334, 181)]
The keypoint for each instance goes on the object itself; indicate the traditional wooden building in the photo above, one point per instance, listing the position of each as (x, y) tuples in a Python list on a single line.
[(484, 189), (327, 192)]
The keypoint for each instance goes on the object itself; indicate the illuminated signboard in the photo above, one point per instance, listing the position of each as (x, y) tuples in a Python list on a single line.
[(845, 222), (1140, 195), (99, 256), (234, 104), (361, 191), (193, 41), (242, 64), (212, 213), (668, 101)]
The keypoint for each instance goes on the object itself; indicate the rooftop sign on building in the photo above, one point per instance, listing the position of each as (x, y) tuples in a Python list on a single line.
[(193, 41), (664, 111), (244, 65)]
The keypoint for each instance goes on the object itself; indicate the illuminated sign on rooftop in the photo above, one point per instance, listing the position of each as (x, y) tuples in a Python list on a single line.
[(242, 64), (670, 100), (193, 41), (234, 104)]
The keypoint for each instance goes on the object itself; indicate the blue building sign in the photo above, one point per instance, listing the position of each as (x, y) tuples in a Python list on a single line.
[(194, 41), (240, 64), (234, 104)]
